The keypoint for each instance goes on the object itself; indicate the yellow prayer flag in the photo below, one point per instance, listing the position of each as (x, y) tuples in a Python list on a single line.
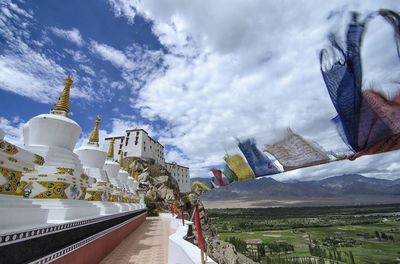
[(239, 167)]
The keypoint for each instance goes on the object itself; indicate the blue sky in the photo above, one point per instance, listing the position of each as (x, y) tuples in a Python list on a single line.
[(195, 75)]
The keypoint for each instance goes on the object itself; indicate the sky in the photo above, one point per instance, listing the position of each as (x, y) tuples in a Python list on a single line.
[(197, 75)]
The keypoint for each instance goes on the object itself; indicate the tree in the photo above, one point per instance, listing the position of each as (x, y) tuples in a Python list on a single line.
[(352, 261)]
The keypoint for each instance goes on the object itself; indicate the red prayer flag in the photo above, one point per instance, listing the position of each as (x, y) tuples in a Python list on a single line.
[(218, 175), (379, 129), (200, 242)]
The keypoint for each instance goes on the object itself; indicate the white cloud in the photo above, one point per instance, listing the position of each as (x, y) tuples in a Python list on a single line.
[(13, 130), (27, 71), (116, 57), (241, 69), (72, 35), (87, 69), (137, 65)]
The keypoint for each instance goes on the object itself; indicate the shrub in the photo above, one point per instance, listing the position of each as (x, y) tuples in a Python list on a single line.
[(151, 207)]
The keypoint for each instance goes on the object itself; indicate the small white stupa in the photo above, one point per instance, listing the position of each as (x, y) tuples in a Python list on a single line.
[(112, 168), (61, 181), (133, 185), (123, 176), (93, 159)]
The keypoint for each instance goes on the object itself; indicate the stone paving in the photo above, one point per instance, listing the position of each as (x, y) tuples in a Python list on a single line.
[(147, 244)]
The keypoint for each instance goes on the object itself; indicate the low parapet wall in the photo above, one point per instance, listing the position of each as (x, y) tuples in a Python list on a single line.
[(83, 241), (181, 251)]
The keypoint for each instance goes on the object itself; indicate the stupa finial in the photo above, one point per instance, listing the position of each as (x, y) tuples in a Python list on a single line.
[(134, 174), (94, 136), (121, 163), (62, 104), (110, 154)]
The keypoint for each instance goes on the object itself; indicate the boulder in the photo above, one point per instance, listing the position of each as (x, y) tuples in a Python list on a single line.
[(162, 187)]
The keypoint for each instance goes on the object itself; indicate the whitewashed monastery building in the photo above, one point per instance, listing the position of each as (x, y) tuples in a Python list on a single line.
[(136, 143)]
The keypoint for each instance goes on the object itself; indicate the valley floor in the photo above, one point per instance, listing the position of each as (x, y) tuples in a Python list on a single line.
[(348, 200), (370, 233)]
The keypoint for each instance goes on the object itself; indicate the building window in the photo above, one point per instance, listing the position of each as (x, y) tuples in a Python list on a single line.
[(137, 133), (122, 140), (125, 154), (128, 134), (119, 152), (136, 142), (144, 148)]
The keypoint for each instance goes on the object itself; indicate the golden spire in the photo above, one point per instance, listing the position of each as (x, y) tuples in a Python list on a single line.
[(121, 164), (63, 101), (94, 136), (110, 154)]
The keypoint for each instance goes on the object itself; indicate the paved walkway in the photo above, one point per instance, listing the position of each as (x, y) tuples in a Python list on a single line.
[(147, 244)]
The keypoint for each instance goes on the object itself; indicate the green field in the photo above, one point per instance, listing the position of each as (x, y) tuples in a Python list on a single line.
[(370, 238)]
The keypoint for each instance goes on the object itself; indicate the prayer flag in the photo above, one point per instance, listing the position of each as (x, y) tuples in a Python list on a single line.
[(343, 80), (197, 222), (295, 152), (218, 175), (259, 163), (239, 167), (229, 174)]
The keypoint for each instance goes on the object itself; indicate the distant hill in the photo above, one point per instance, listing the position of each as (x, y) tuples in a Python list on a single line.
[(343, 189)]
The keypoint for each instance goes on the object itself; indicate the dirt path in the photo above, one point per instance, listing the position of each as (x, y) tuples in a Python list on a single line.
[(147, 244)]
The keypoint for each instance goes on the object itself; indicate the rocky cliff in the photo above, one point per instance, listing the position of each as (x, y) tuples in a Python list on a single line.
[(162, 187), (222, 252)]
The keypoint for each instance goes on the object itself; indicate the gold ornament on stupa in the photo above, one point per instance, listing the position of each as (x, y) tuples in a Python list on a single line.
[(94, 136), (134, 174), (121, 163), (110, 154), (62, 105)]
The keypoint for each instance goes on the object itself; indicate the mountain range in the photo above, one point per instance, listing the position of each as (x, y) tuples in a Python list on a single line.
[(347, 189)]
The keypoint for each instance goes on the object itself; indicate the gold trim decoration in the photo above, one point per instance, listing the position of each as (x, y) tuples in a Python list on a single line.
[(55, 190), (12, 183), (12, 160), (114, 198), (62, 170), (84, 176), (95, 196), (29, 171), (42, 175), (8, 148), (82, 197), (39, 160)]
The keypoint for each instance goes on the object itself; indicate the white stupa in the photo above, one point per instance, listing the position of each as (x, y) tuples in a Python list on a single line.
[(15, 211), (62, 179), (93, 159), (112, 168)]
